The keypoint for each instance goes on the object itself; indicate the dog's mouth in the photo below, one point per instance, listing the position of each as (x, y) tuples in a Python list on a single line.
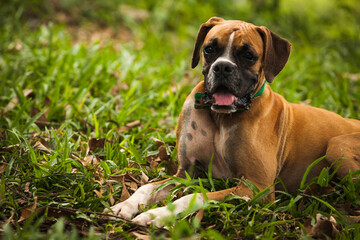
[(223, 97), (222, 100)]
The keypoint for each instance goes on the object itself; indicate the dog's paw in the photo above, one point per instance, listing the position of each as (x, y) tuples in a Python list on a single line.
[(128, 208), (158, 216), (154, 217), (124, 209)]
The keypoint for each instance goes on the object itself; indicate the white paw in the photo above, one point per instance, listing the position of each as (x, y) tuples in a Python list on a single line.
[(158, 216), (124, 209), (128, 208), (153, 217)]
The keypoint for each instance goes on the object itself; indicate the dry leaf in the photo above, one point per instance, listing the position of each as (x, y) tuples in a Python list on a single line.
[(131, 177), (144, 178), (323, 227), (10, 148), (27, 185), (352, 219), (42, 121), (347, 208), (133, 186), (99, 193), (118, 178), (89, 160), (199, 215), (118, 88), (28, 211), (124, 193), (154, 164), (15, 101), (3, 168), (21, 201), (95, 144), (141, 236), (41, 144), (111, 191), (163, 153), (314, 189), (158, 142), (129, 126)]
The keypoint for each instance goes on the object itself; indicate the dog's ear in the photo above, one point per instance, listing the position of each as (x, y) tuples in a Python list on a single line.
[(204, 29), (276, 53)]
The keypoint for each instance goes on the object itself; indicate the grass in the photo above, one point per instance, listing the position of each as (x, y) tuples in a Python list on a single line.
[(72, 72)]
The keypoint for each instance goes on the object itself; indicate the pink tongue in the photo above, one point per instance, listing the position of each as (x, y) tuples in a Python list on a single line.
[(224, 99)]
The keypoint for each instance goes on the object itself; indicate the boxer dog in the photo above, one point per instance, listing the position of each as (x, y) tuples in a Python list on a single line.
[(248, 131)]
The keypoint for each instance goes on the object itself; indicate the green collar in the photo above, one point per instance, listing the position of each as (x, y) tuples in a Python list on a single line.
[(199, 104), (261, 90)]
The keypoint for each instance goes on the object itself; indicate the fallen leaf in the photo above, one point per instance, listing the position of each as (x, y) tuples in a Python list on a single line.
[(199, 215), (27, 211), (163, 153), (144, 178), (314, 189), (41, 144), (95, 144), (111, 191), (124, 193), (347, 208), (129, 126), (21, 201), (141, 236), (121, 86), (133, 186), (317, 190), (90, 160), (10, 148), (3, 168), (27, 185), (154, 164), (117, 178), (158, 142), (99, 193), (131, 177), (42, 121), (15, 101), (323, 227)]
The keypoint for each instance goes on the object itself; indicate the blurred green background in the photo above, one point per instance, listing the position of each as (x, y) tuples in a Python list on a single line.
[(325, 35)]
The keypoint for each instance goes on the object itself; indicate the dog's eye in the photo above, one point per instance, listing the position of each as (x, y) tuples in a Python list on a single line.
[(248, 55), (209, 50)]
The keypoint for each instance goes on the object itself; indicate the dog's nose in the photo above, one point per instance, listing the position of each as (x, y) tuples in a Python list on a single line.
[(223, 68)]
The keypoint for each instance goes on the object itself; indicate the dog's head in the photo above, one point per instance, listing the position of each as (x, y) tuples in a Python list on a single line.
[(238, 57)]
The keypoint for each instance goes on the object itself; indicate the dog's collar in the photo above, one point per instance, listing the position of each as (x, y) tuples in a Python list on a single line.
[(199, 103)]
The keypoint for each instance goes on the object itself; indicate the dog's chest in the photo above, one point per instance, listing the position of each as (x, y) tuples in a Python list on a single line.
[(201, 140)]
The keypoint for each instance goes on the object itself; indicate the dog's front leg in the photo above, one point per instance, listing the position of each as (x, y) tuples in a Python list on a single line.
[(145, 195), (157, 216)]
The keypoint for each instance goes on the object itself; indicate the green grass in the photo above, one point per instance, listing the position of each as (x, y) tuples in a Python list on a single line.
[(139, 69)]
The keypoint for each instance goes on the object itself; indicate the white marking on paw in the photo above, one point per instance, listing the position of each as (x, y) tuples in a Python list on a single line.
[(158, 215), (129, 207)]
